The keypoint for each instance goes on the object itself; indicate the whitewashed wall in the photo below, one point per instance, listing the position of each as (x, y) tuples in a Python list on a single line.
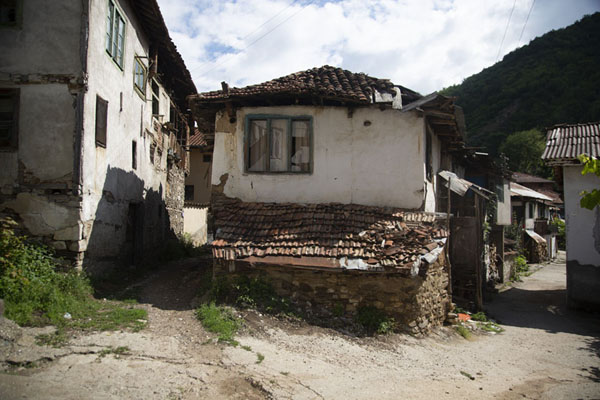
[(110, 183), (583, 226), (381, 164)]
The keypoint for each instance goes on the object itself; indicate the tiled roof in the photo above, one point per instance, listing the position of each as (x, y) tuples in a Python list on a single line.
[(383, 237), (565, 143), (325, 81), (521, 177), (552, 194), (198, 139)]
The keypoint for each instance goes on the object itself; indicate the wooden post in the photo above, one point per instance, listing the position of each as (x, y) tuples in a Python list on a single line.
[(448, 240)]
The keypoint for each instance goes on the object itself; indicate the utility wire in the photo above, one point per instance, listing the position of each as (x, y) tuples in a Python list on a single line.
[(256, 40), (254, 31), (506, 30), (525, 24)]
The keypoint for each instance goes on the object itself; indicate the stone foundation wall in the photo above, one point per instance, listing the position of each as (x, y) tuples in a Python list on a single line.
[(418, 303)]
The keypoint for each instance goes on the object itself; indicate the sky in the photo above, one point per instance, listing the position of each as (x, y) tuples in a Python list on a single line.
[(424, 45)]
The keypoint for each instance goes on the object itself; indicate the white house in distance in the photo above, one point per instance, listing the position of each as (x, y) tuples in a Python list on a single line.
[(564, 143), (92, 95), (325, 171)]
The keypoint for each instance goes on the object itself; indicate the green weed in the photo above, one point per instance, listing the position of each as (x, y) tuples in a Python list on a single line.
[(114, 350), (259, 358), (375, 320), (463, 331), (36, 293), (219, 320), (247, 348)]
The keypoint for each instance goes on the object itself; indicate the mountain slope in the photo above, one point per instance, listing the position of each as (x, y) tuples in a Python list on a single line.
[(554, 79)]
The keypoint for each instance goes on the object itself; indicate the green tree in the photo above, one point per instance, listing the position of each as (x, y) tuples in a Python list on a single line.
[(590, 200), (524, 151)]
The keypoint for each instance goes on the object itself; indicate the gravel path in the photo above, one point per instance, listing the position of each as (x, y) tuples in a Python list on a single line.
[(545, 352)]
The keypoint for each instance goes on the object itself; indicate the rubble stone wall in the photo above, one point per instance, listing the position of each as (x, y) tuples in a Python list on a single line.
[(418, 304), (174, 198)]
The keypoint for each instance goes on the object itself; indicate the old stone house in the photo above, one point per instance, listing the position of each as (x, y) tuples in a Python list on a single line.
[(325, 181), (92, 97), (564, 143)]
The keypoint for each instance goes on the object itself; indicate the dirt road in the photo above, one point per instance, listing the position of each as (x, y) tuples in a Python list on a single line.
[(544, 352)]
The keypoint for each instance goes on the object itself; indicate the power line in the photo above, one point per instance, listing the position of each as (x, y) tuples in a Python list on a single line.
[(254, 31), (256, 40), (506, 30), (527, 19)]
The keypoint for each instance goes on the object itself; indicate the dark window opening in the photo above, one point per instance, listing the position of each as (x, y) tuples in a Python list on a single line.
[(133, 154), (189, 192), (155, 97), (101, 121), (428, 156), (9, 118), (10, 13), (206, 158)]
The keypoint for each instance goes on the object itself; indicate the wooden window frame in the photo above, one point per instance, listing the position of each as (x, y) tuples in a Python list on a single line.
[(12, 142), (269, 118), (141, 91), (155, 97), (114, 14), (101, 126)]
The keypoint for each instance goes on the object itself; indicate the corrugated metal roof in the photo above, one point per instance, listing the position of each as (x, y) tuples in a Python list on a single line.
[(565, 142), (522, 191)]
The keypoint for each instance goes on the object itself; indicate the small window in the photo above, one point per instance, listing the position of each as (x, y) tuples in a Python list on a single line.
[(531, 209), (139, 76), (11, 13), (206, 158), (428, 157), (278, 144), (101, 121), (155, 97), (133, 154), (189, 192), (152, 151), (9, 118), (115, 34)]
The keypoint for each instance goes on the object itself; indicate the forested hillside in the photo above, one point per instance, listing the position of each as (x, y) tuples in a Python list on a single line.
[(554, 79)]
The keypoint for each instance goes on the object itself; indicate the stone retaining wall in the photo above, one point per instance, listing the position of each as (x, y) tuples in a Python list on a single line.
[(417, 303)]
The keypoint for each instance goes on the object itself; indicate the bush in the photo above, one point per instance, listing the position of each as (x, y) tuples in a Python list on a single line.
[(35, 293), (521, 268), (375, 320), (560, 228)]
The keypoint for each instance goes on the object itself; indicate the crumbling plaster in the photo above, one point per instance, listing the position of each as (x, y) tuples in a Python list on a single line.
[(380, 164)]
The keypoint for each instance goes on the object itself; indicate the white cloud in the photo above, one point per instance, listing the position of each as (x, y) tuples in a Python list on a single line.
[(424, 45)]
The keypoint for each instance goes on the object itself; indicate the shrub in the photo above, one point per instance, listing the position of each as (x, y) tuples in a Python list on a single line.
[(375, 320), (36, 293), (560, 228)]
